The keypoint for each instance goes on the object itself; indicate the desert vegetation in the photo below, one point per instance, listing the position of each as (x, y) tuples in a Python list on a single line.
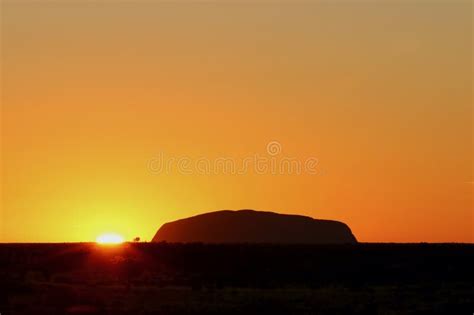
[(162, 278)]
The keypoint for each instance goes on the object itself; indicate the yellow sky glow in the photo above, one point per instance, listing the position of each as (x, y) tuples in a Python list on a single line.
[(380, 93)]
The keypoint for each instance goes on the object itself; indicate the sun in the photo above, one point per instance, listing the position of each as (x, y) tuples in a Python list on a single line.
[(110, 238)]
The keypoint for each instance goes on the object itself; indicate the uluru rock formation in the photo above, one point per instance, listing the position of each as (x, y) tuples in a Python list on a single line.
[(249, 226)]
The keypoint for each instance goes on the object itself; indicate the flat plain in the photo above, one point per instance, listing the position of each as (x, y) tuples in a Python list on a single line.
[(165, 278)]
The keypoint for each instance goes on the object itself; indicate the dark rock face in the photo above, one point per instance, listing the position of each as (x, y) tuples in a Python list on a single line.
[(249, 226)]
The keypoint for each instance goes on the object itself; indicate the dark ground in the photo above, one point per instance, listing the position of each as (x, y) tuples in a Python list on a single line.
[(162, 278)]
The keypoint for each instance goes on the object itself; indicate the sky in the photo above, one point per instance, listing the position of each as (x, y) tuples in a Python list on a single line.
[(96, 95)]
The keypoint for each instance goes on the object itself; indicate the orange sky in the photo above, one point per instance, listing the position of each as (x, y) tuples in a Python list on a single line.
[(379, 92)]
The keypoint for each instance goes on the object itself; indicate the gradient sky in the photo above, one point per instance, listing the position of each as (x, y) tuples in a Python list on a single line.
[(380, 92)]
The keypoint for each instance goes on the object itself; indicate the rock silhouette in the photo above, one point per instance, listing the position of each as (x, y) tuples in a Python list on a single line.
[(249, 226)]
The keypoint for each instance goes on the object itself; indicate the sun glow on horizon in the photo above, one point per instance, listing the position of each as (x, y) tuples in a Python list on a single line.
[(110, 238)]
